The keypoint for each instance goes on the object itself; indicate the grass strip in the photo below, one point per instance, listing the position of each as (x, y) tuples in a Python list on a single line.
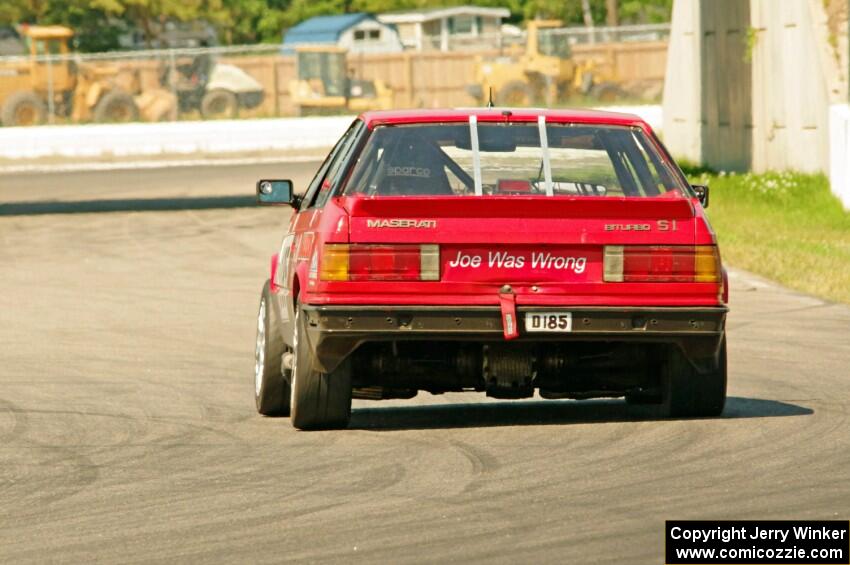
[(786, 226)]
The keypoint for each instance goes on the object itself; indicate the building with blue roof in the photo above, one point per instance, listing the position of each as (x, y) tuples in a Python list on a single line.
[(359, 33)]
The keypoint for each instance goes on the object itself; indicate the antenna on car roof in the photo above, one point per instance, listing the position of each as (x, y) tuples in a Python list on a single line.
[(490, 99)]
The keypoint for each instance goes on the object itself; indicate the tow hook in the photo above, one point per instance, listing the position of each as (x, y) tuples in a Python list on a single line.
[(507, 300)]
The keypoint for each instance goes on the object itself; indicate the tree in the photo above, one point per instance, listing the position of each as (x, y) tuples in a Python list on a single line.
[(252, 21), (626, 11), (612, 16), (13, 11), (147, 13), (645, 11), (99, 23)]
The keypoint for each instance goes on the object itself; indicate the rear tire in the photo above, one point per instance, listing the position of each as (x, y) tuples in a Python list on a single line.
[(116, 107), (219, 104), (319, 400), (684, 392), (691, 394), (606, 92), (271, 391), (514, 94), (644, 398), (23, 109)]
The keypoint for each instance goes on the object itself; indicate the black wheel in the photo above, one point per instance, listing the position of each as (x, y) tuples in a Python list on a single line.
[(116, 106), (271, 389), (23, 109), (691, 394), (684, 392), (514, 93), (606, 92), (250, 100), (219, 104), (319, 400), (645, 398)]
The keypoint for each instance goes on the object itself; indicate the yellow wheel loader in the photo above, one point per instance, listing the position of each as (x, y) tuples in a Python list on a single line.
[(34, 85), (544, 72), (325, 85)]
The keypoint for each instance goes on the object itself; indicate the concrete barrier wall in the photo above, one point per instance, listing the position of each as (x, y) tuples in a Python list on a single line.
[(750, 86), (173, 138), (747, 85), (129, 141), (839, 154), (790, 97)]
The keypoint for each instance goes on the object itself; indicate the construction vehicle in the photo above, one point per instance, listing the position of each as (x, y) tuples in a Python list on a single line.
[(545, 72), (216, 90), (49, 81), (325, 84)]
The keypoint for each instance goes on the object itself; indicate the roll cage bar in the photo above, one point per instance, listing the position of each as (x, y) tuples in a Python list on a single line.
[(626, 160)]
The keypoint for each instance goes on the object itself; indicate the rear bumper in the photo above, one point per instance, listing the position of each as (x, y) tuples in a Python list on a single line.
[(335, 331)]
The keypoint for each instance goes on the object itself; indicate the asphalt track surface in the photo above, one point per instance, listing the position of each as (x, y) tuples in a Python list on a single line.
[(128, 432)]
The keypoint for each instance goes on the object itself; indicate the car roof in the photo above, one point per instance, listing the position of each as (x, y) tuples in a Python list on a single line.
[(584, 116)]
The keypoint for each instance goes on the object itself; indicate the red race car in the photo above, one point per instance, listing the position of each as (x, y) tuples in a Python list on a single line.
[(494, 250)]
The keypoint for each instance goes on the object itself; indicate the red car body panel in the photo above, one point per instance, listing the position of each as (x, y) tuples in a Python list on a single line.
[(578, 226), (405, 282), (468, 223), (584, 116)]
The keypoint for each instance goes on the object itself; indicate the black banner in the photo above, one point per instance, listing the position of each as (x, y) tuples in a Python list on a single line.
[(742, 542)]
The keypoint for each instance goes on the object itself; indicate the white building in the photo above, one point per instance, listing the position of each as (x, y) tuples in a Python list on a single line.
[(359, 33), (446, 29)]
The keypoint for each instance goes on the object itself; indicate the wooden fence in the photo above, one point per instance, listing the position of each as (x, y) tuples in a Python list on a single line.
[(418, 80), (436, 79), (629, 62)]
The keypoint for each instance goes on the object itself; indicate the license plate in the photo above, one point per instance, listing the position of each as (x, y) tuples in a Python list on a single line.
[(548, 321)]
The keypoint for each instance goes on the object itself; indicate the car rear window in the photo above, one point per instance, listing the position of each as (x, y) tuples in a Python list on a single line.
[(509, 159)]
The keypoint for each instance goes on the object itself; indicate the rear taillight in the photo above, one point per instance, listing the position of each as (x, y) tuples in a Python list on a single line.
[(379, 262), (661, 263)]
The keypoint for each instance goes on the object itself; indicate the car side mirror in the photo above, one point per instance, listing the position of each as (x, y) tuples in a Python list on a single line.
[(275, 192), (702, 194)]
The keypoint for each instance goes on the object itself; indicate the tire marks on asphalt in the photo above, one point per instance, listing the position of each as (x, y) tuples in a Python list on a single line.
[(127, 430)]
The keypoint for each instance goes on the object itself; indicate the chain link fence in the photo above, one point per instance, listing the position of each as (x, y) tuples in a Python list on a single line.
[(55, 87), (153, 85), (570, 35), (619, 34)]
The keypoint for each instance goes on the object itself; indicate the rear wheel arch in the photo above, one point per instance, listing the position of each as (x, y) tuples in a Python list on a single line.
[(274, 262), (296, 292), (289, 305)]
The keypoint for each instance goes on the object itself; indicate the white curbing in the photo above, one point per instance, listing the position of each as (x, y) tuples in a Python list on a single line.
[(37, 167), (126, 142), (171, 138)]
